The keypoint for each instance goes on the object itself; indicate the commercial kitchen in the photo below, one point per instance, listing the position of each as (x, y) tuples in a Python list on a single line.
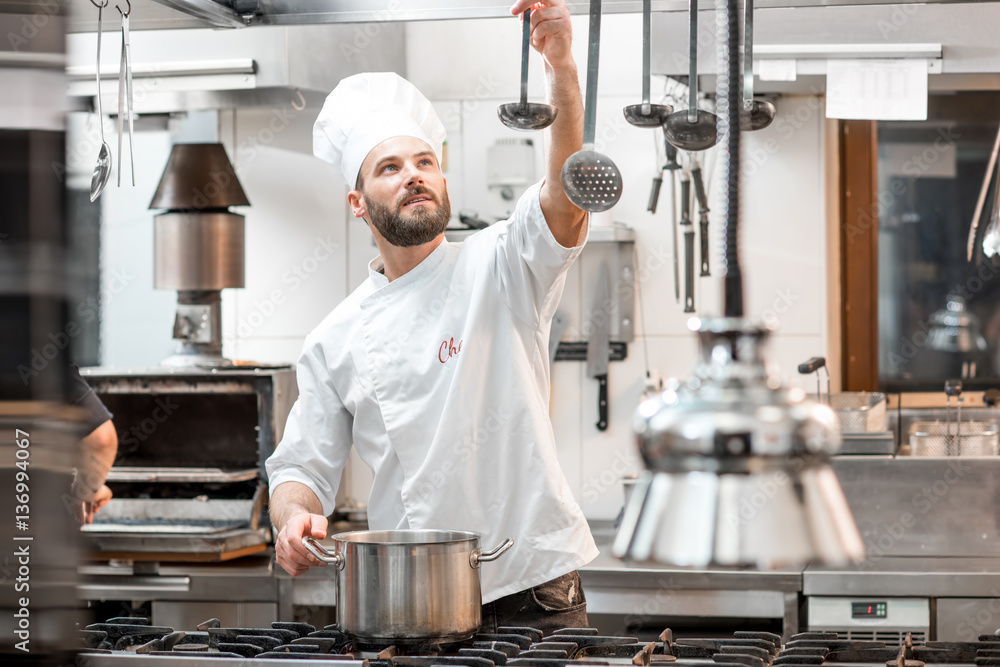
[(774, 368)]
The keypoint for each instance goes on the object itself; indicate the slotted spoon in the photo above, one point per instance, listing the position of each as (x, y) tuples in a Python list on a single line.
[(590, 179)]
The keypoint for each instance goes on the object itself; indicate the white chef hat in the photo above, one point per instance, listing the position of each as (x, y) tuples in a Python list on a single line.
[(366, 109)]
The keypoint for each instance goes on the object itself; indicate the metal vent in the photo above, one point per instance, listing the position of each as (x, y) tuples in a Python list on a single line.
[(890, 637)]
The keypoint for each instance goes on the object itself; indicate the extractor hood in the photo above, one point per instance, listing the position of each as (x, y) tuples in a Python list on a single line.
[(178, 70)]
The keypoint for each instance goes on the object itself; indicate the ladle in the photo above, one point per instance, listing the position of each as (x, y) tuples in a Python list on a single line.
[(591, 180), (102, 170), (646, 114), (526, 115), (757, 114), (692, 129)]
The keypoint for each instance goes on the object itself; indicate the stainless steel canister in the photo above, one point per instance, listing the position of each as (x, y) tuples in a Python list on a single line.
[(408, 586)]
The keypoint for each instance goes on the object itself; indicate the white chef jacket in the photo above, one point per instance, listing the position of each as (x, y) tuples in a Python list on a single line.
[(440, 379)]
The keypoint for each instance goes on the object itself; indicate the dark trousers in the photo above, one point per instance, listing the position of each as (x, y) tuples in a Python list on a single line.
[(556, 604)]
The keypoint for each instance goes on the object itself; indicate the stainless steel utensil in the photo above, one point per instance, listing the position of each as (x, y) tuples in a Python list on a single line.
[(526, 115), (757, 114), (689, 270), (699, 191), (974, 227), (991, 237), (688, 242), (599, 345), (673, 166), (102, 170), (692, 129), (407, 586), (591, 180), (125, 92), (646, 114)]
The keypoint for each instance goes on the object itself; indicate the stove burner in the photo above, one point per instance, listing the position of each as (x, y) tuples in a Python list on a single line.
[(522, 647)]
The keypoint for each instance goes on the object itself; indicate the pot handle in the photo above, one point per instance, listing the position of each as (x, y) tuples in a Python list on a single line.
[(318, 550), (478, 557)]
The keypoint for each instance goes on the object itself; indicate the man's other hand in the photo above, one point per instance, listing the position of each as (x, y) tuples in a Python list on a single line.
[(288, 549)]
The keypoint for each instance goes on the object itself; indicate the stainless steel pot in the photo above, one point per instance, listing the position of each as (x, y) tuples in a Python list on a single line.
[(408, 585)]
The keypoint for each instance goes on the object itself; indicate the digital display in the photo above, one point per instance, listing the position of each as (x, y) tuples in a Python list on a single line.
[(868, 609)]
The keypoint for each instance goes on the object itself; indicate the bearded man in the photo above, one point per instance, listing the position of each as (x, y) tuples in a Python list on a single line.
[(436, 369)]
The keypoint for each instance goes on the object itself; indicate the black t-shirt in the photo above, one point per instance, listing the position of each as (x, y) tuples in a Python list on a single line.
[(82, 396)]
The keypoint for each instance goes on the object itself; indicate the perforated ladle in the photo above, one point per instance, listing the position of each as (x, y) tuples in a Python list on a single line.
[(646, 114), (526, 115), (757, 114), (692, 129), (590, 179)]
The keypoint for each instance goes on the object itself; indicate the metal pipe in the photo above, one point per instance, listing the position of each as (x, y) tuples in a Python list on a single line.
[(728, 95)]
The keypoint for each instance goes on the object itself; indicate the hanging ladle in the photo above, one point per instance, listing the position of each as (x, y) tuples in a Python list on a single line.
[(526, 115), (102, 170), (757, 114), (646, 114), (591, 180), (692, 129)]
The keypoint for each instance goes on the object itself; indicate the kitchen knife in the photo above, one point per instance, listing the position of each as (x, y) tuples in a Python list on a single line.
[(699, 191), (599, 344), (673, 235), (673, 166)]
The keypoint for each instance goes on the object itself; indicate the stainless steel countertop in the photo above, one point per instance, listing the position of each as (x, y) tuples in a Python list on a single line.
[(907, 576)]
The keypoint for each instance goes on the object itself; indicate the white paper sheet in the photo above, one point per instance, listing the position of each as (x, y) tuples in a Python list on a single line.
[(873, 89), (776, 69)]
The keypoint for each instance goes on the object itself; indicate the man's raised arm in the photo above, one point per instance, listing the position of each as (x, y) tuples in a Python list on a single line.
[(551, 35)]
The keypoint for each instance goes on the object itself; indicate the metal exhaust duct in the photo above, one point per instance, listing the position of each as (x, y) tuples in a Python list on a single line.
[(198, 246)]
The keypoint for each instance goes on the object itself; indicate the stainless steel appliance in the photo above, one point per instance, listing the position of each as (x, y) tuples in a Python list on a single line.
[(409, 586), (198, 246), (186, 524), (189, 478)]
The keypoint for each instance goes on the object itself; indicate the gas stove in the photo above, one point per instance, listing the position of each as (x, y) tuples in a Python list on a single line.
[(124, 642)]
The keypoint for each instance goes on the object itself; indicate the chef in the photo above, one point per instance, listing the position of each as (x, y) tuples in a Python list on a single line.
[(435, 368)]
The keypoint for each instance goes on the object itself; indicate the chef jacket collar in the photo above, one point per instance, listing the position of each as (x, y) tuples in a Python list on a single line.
[(376, 268)]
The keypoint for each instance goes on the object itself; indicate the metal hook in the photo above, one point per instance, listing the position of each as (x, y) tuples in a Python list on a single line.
[(100, 6), (125, 14)]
